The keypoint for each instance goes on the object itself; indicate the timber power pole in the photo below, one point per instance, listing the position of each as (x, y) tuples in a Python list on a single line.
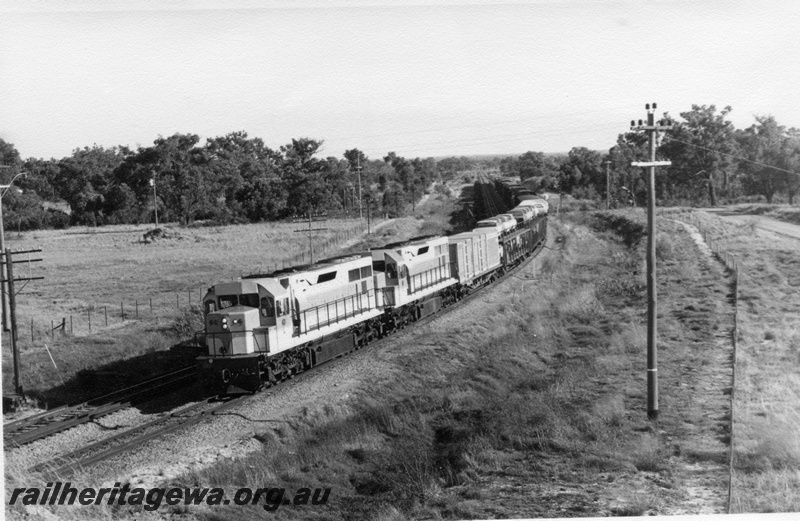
[(652, 350), (358, 168), (608, 187), (8, 261)]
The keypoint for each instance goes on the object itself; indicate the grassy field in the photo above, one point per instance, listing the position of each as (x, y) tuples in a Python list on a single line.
[(767, 416), (93, 276)]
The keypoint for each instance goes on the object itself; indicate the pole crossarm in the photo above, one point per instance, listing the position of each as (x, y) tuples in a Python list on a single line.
[(651, 163)]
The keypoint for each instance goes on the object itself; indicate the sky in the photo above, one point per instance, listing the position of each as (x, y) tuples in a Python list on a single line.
[(417, 78)]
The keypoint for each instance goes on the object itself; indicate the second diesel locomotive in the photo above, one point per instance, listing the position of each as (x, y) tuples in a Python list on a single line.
[(265, 328)]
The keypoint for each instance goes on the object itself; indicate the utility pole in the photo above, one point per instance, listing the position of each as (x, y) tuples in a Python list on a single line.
[(155, 204), (608, 187), (310, 232), (358, 169), (652, 350), (9, 263), (369, 211)]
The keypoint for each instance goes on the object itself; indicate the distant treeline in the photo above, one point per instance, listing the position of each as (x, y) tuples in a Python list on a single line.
[(235, 178), (230, 179), (711, 162)]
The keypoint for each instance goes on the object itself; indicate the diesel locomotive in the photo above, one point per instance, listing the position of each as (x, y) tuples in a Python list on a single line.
[(265, 328)]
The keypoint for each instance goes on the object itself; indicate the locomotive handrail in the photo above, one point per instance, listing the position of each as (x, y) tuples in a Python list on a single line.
[(358, 298), (442, 268)]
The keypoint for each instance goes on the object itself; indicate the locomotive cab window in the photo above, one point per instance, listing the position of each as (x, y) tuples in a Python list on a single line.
[(227, 301), (391, 271), (379, 265), (267, 307), (282, 307), (211, 306), (422, 250), (354, 275), (250, 300)]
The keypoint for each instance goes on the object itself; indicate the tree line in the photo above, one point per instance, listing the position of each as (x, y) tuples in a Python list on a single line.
[(712, 162), (229, 179), (236, 178)]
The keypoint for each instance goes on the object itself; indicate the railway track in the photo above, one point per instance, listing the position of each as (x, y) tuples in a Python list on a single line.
[(110, 447), (42, 425), (107, 448)]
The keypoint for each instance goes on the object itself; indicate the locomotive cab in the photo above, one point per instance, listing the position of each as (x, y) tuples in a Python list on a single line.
[(246, 317)]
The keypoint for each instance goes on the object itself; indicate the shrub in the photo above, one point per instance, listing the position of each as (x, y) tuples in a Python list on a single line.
[(188, 322)]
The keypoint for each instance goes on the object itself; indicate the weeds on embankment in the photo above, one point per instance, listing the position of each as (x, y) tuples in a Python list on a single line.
[(766, 475), (537, 389)]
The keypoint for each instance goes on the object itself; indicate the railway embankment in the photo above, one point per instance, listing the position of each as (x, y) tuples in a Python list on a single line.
[(527, 402), (530, 401)]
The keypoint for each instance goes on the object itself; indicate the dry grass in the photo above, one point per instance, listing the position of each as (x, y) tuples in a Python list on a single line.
[(767, 417), (485, 399), (546, 396)]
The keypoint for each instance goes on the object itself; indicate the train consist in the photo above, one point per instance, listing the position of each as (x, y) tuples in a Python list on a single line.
[(264, 328)]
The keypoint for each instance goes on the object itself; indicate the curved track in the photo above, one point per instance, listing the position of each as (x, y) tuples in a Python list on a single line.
[(107, 448)]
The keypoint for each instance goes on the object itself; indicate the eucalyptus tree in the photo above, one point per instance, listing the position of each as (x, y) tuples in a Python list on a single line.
[(701, 149)]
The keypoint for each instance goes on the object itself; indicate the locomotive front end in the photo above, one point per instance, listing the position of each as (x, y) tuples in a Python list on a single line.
[(240, 319)]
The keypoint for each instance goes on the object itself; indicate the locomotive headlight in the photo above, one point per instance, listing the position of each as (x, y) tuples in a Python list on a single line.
[(224, 323)]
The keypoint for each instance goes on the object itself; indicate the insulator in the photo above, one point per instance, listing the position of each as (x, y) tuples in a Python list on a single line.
[(640, 122), (654, 105), (647, 106), (633, 123)]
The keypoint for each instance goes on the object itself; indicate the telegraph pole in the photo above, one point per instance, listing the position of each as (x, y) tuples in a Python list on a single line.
[(608, 187), (358, 169), (155, 203), (652, 350), (310, 232), (12, 294)]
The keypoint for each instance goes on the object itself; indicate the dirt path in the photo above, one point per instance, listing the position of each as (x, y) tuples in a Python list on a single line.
[(763, 223)]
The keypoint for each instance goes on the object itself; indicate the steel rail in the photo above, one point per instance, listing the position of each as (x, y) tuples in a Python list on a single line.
[(94, 453), (42, 425)]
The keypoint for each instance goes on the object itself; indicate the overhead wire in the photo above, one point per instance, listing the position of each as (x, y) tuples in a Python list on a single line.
[(734, 156)]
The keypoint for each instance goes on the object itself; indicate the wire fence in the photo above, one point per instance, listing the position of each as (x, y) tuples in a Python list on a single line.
[(732, 264), (166, 307)]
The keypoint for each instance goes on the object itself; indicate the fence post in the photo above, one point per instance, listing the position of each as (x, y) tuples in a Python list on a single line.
[(189, 291), (177, 301), (105, 311), (89, 313), (71, 331), (31, 331), (52, 329), (122, 309), (136, 303), (151, 305)]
